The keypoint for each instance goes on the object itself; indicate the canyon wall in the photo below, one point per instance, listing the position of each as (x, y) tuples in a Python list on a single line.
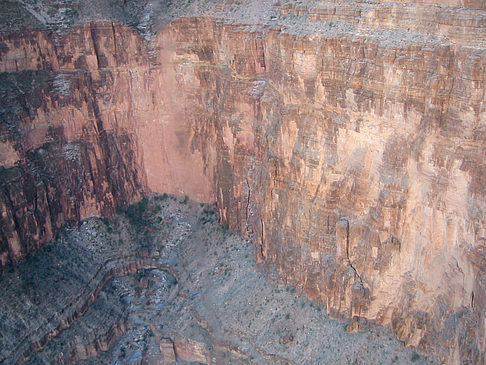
[(354, 161)]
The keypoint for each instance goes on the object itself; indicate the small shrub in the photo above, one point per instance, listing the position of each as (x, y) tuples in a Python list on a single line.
[(415, 357), (135, 212)]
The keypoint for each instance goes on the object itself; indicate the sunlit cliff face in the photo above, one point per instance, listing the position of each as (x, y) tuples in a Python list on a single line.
[(351, 150)]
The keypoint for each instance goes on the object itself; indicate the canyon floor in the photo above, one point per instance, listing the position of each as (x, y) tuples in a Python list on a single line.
[(163, 283)]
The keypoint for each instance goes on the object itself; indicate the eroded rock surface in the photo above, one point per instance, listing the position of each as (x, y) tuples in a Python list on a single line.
[(166, 284), (345, 139)]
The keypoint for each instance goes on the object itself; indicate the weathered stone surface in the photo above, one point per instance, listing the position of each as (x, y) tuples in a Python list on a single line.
[(206, 301), (353, 159)]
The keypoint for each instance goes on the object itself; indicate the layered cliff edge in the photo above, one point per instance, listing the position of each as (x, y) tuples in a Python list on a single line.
[(347, 140)]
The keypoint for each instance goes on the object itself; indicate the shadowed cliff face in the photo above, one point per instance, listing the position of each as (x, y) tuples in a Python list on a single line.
[(356, 167), (56, 172)]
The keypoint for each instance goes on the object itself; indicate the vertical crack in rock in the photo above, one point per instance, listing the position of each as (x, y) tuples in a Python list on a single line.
[(262, 240), (95, 46), (248, 213), (348, 259), (115, 53)]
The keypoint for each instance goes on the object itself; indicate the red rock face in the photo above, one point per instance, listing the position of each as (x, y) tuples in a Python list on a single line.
[(357, 168)]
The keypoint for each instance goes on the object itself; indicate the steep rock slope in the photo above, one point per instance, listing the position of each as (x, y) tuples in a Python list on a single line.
[(348, 143)]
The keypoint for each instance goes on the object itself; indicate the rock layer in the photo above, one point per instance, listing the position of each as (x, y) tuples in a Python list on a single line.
[(354, 160)]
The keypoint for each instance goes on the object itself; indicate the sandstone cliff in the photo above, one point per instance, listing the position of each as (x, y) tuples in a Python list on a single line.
[(348, 141)]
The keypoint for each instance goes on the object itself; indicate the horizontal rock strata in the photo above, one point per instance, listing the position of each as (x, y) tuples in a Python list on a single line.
[(351, 152)]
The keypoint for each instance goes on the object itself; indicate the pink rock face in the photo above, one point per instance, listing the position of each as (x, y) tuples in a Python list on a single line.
[(356, 167)]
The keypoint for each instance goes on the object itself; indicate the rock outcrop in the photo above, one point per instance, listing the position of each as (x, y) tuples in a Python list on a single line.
[(350, 148), (164, 283)]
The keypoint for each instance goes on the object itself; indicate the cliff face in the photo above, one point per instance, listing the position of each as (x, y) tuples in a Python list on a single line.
[(355, 162), (59, 162)]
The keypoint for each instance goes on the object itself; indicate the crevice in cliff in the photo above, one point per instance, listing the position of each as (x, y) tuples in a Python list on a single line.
[(317, 192), (356, 273), (248, 200), (348, 259), (114, 41), (262, 57), (92, 176), (95, 46), (262, 239), (50, 209), (94, 104)]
